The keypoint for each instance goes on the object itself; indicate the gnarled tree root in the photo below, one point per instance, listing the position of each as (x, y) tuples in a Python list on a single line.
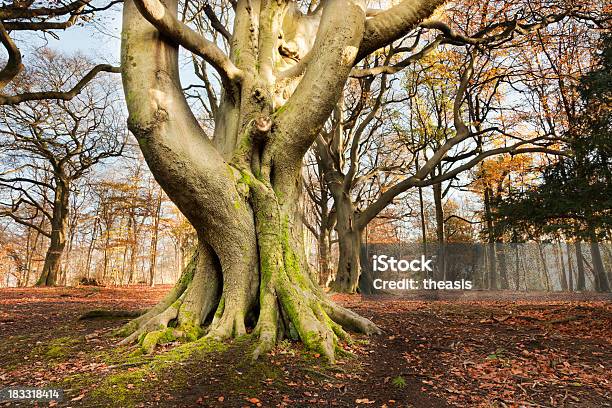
[(291, 305)]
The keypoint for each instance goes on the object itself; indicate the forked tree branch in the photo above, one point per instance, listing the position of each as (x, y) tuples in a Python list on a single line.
[(157, 14)]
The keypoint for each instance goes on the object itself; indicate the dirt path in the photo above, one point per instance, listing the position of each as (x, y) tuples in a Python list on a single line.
[(543, 351)]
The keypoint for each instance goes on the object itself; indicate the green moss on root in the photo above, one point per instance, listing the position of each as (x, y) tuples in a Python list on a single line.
[(126, 388), (152, 339)]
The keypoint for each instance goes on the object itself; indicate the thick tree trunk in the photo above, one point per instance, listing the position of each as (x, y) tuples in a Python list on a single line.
[(349, 245), (240, 191), (57, 240), (349, 267)]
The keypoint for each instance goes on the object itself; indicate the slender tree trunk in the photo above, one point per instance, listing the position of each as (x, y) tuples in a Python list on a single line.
[(561, 266), (517, 266), (92, 244), (544, 267), (58, 235), (570, 267), (32, 251), (154, 239), (581, 284), (491, 238), (524, 271), (324, 257), (440, 233), (608, 254), (134, 249), (423, 223), (503, 267), (106, 251), (123, 264), (28, 257)]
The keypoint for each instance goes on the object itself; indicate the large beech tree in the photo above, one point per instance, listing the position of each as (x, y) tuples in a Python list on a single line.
[(241, 189)]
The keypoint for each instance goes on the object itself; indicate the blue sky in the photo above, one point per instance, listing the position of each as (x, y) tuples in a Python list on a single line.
[(100, 41)]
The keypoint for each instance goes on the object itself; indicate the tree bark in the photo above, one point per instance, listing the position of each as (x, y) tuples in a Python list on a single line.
[(57, 241), (349, 245), (349, 267)]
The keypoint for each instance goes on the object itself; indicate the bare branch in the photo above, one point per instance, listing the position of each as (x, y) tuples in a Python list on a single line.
[(13, 66), (25, 223), (66, 96), (216, 24), (392, 24), (387, 69)]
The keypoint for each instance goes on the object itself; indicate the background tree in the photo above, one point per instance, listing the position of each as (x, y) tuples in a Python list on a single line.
[(20, 18), (49, 145), (574, 196)]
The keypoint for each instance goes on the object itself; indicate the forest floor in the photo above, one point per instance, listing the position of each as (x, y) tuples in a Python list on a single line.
[(437, 350)]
